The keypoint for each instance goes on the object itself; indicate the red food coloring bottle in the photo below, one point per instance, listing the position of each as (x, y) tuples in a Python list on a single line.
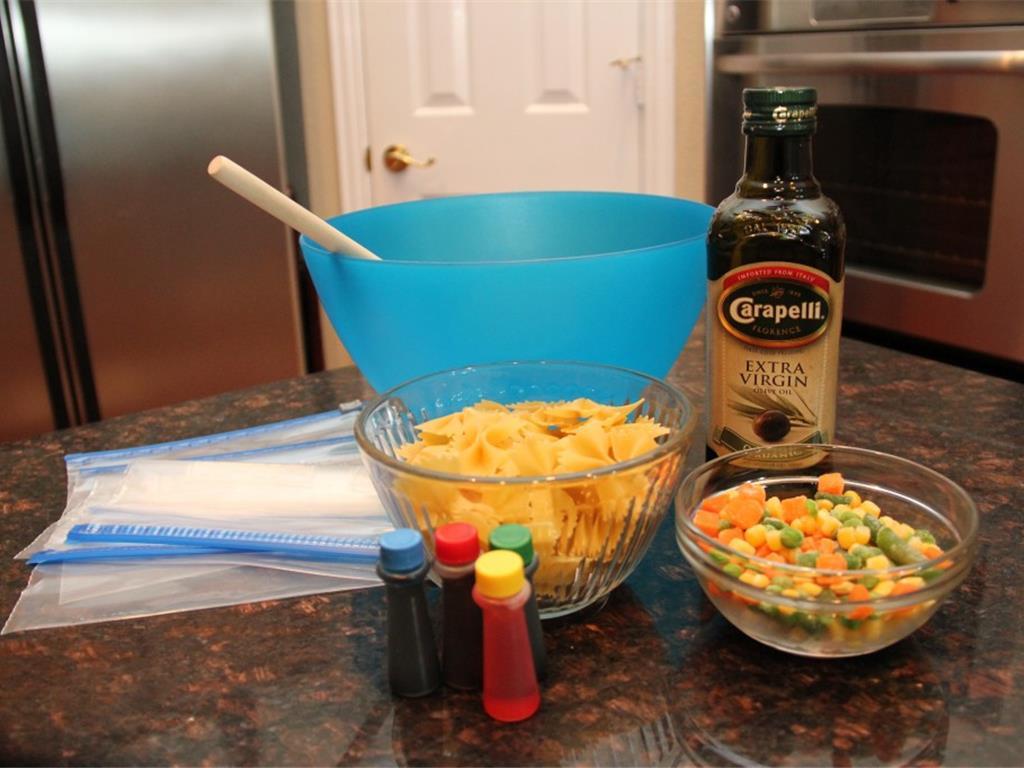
[(511, 692), (456, 547)]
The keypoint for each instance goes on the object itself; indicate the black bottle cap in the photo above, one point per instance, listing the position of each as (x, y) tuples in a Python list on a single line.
[(781, 110)]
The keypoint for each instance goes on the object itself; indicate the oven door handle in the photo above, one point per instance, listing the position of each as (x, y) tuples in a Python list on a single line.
[(876, 62)]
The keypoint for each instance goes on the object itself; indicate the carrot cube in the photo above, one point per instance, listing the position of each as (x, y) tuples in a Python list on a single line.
[(831, 483), (715, 503), (707, 522), (729, 534), (793, 508), (752, 491)]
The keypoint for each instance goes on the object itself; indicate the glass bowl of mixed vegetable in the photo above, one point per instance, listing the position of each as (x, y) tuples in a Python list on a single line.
[(825, 550)]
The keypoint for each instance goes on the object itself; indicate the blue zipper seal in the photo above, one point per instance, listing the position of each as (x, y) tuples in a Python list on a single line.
[(349, 549)]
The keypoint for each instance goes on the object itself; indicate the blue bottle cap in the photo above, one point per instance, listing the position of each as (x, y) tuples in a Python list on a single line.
[(401, 550)]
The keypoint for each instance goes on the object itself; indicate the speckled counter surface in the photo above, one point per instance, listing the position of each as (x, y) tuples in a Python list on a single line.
[(656, 677)]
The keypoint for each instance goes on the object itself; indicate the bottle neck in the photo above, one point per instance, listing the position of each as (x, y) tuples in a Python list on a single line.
[(778, 167), (452, 572), (503, 604)]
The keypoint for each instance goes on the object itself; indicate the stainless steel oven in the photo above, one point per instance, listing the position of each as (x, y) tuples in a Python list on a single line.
[(920, 141)]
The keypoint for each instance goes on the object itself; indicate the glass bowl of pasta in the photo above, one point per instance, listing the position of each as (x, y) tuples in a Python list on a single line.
[(586, 456)]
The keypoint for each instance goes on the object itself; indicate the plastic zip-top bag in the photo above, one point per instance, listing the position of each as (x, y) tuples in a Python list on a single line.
[(267, 512), (322, 438)]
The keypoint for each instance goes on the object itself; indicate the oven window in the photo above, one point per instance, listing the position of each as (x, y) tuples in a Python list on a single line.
[(915, 188)]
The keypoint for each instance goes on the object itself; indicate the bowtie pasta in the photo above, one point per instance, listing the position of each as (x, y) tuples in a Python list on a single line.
[(571, 521)]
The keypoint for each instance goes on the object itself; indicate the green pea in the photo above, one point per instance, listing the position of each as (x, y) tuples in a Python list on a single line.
[(925, 535), (791, 537), (930, 574), (896, 549), (724, 525), (733, 570), (864, 552), (808, 622), (869, 582), (782, 581), (850, 623), (807, 559), (718, 557), (826, 596), (773, 588), (874, 524), (812, 508), (853, 561), (850, 518), (775, 523), (833, 498)]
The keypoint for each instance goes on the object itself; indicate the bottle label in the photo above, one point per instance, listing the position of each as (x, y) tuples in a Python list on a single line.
[(773, 349)]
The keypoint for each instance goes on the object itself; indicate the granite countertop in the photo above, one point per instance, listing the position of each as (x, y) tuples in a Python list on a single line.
[(655, 677)]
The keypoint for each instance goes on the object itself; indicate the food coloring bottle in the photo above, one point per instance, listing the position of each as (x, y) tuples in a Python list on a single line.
[(775, 255), (413, 668), (510, 681), (517, 538), (457, 546)]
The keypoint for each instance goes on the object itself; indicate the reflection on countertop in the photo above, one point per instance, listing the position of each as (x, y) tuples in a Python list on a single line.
[(655, 677)]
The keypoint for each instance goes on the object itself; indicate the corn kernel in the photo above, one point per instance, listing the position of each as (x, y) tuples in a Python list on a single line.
[(872, 629), (790, 593), (862, 535), (785, 610), (773, 539), (870, 508), (798, 524), (810, 524), (824, 504), (741, 545), (883, 588), (913, 581), (916, 543), (854, 497), (810, 589), (773, 506), (847, 537), (876, 563), (887, 521), (905, 531), (755, 535), (828, 525), (843, 587), (840, 509), (758, 580)]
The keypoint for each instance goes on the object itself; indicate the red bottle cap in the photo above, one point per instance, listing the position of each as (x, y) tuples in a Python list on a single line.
[(456, 544)]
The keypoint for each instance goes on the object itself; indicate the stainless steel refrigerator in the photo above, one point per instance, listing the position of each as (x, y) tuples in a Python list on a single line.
[(129, 279)]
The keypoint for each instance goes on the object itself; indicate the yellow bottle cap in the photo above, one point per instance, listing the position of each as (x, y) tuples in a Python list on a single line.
[(499, 574)]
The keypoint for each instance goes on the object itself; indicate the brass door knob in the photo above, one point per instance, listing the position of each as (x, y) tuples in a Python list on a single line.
[(625, 62), (397, 159)]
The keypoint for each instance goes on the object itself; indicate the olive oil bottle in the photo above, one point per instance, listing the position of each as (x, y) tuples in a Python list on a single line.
[(775, 286)]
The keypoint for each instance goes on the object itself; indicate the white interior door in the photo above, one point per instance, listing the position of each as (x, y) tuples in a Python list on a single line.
[(504, 95)]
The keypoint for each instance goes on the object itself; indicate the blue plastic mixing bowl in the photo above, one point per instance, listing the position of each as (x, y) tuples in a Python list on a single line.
[(598, 277)]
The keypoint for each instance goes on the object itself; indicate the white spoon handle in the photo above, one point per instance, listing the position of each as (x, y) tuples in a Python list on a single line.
[(262, 195)]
